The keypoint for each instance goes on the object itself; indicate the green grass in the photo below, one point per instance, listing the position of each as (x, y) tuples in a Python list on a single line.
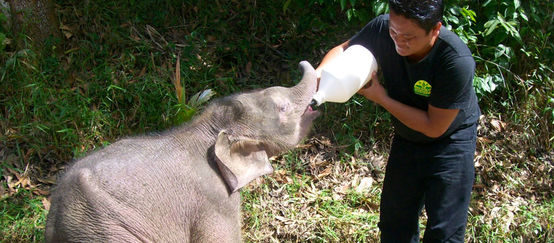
[(509, 223), (114, 78), (23, 218)]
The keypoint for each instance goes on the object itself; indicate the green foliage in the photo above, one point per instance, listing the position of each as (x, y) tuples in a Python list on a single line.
[(4, 40), (114, 77), (355, 10), (499, 34), (22, 218), (187, 109)]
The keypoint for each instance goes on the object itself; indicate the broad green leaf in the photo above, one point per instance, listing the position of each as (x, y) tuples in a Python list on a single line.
[(490, 26), (510, 27), (517, 4), (454, 19), (468, 13), (500, 50), (523, 15), (380, 8)]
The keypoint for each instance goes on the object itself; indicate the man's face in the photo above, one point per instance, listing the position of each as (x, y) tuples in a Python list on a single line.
[(409, 39)]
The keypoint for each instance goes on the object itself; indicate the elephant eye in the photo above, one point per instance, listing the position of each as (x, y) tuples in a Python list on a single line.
[(283, 108)]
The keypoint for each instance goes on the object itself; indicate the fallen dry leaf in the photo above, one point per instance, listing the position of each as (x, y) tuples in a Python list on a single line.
[(498, 125), (48, 180), (40, 192), (325, 172), (46, 203), (342, 189), (365, 185)]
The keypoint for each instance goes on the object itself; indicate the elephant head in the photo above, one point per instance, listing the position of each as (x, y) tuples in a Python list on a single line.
[(263, 123)]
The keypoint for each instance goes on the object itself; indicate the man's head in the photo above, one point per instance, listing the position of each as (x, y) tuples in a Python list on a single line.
[(426, 13), (414, 26)]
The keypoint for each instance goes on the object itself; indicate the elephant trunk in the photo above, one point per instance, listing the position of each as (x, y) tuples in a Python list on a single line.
[(305, 90)]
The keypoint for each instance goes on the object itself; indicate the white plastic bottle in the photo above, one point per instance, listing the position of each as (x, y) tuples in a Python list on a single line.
[(345, 75)]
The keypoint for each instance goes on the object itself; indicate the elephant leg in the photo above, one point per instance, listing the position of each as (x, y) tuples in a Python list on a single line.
[(217, 228)]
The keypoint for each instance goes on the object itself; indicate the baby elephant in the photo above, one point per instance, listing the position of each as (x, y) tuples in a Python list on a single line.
[(181, 185)]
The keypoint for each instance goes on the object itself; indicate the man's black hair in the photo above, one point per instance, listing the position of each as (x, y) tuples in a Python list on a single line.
[(427, 13)]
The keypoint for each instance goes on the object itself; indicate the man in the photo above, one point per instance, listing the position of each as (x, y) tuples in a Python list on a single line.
[(428, 75)]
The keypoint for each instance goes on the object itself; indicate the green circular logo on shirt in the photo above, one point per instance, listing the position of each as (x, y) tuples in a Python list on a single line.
[(422, 88)]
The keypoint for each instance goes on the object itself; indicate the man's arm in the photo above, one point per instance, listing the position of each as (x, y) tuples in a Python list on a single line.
[(433, 122)]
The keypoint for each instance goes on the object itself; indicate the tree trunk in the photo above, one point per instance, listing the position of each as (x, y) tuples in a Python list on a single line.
[(35, 19)]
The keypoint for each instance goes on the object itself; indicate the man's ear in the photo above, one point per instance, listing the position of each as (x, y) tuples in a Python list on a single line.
[(240, 161), (436, 30)]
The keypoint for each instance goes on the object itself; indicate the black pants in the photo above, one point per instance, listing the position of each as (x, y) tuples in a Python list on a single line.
[(438, 176)]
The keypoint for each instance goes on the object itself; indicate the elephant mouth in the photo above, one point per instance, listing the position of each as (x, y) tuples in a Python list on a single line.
[(310, 114)]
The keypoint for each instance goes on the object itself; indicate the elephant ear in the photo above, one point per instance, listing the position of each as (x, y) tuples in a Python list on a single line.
[(241, 161)]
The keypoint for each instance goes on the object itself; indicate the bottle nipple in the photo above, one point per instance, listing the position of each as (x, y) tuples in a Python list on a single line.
[(313, 104)]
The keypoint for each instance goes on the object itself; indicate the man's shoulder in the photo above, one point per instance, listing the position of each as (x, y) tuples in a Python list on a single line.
[(382, 19), (451, 44)]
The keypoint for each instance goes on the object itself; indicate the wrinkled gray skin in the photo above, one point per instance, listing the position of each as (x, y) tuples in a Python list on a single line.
[(181, 186)]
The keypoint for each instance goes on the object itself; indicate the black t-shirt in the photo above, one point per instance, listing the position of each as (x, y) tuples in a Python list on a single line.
[(444, 78)]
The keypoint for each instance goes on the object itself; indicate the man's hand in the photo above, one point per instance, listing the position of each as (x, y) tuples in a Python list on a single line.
[(373, 90)]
